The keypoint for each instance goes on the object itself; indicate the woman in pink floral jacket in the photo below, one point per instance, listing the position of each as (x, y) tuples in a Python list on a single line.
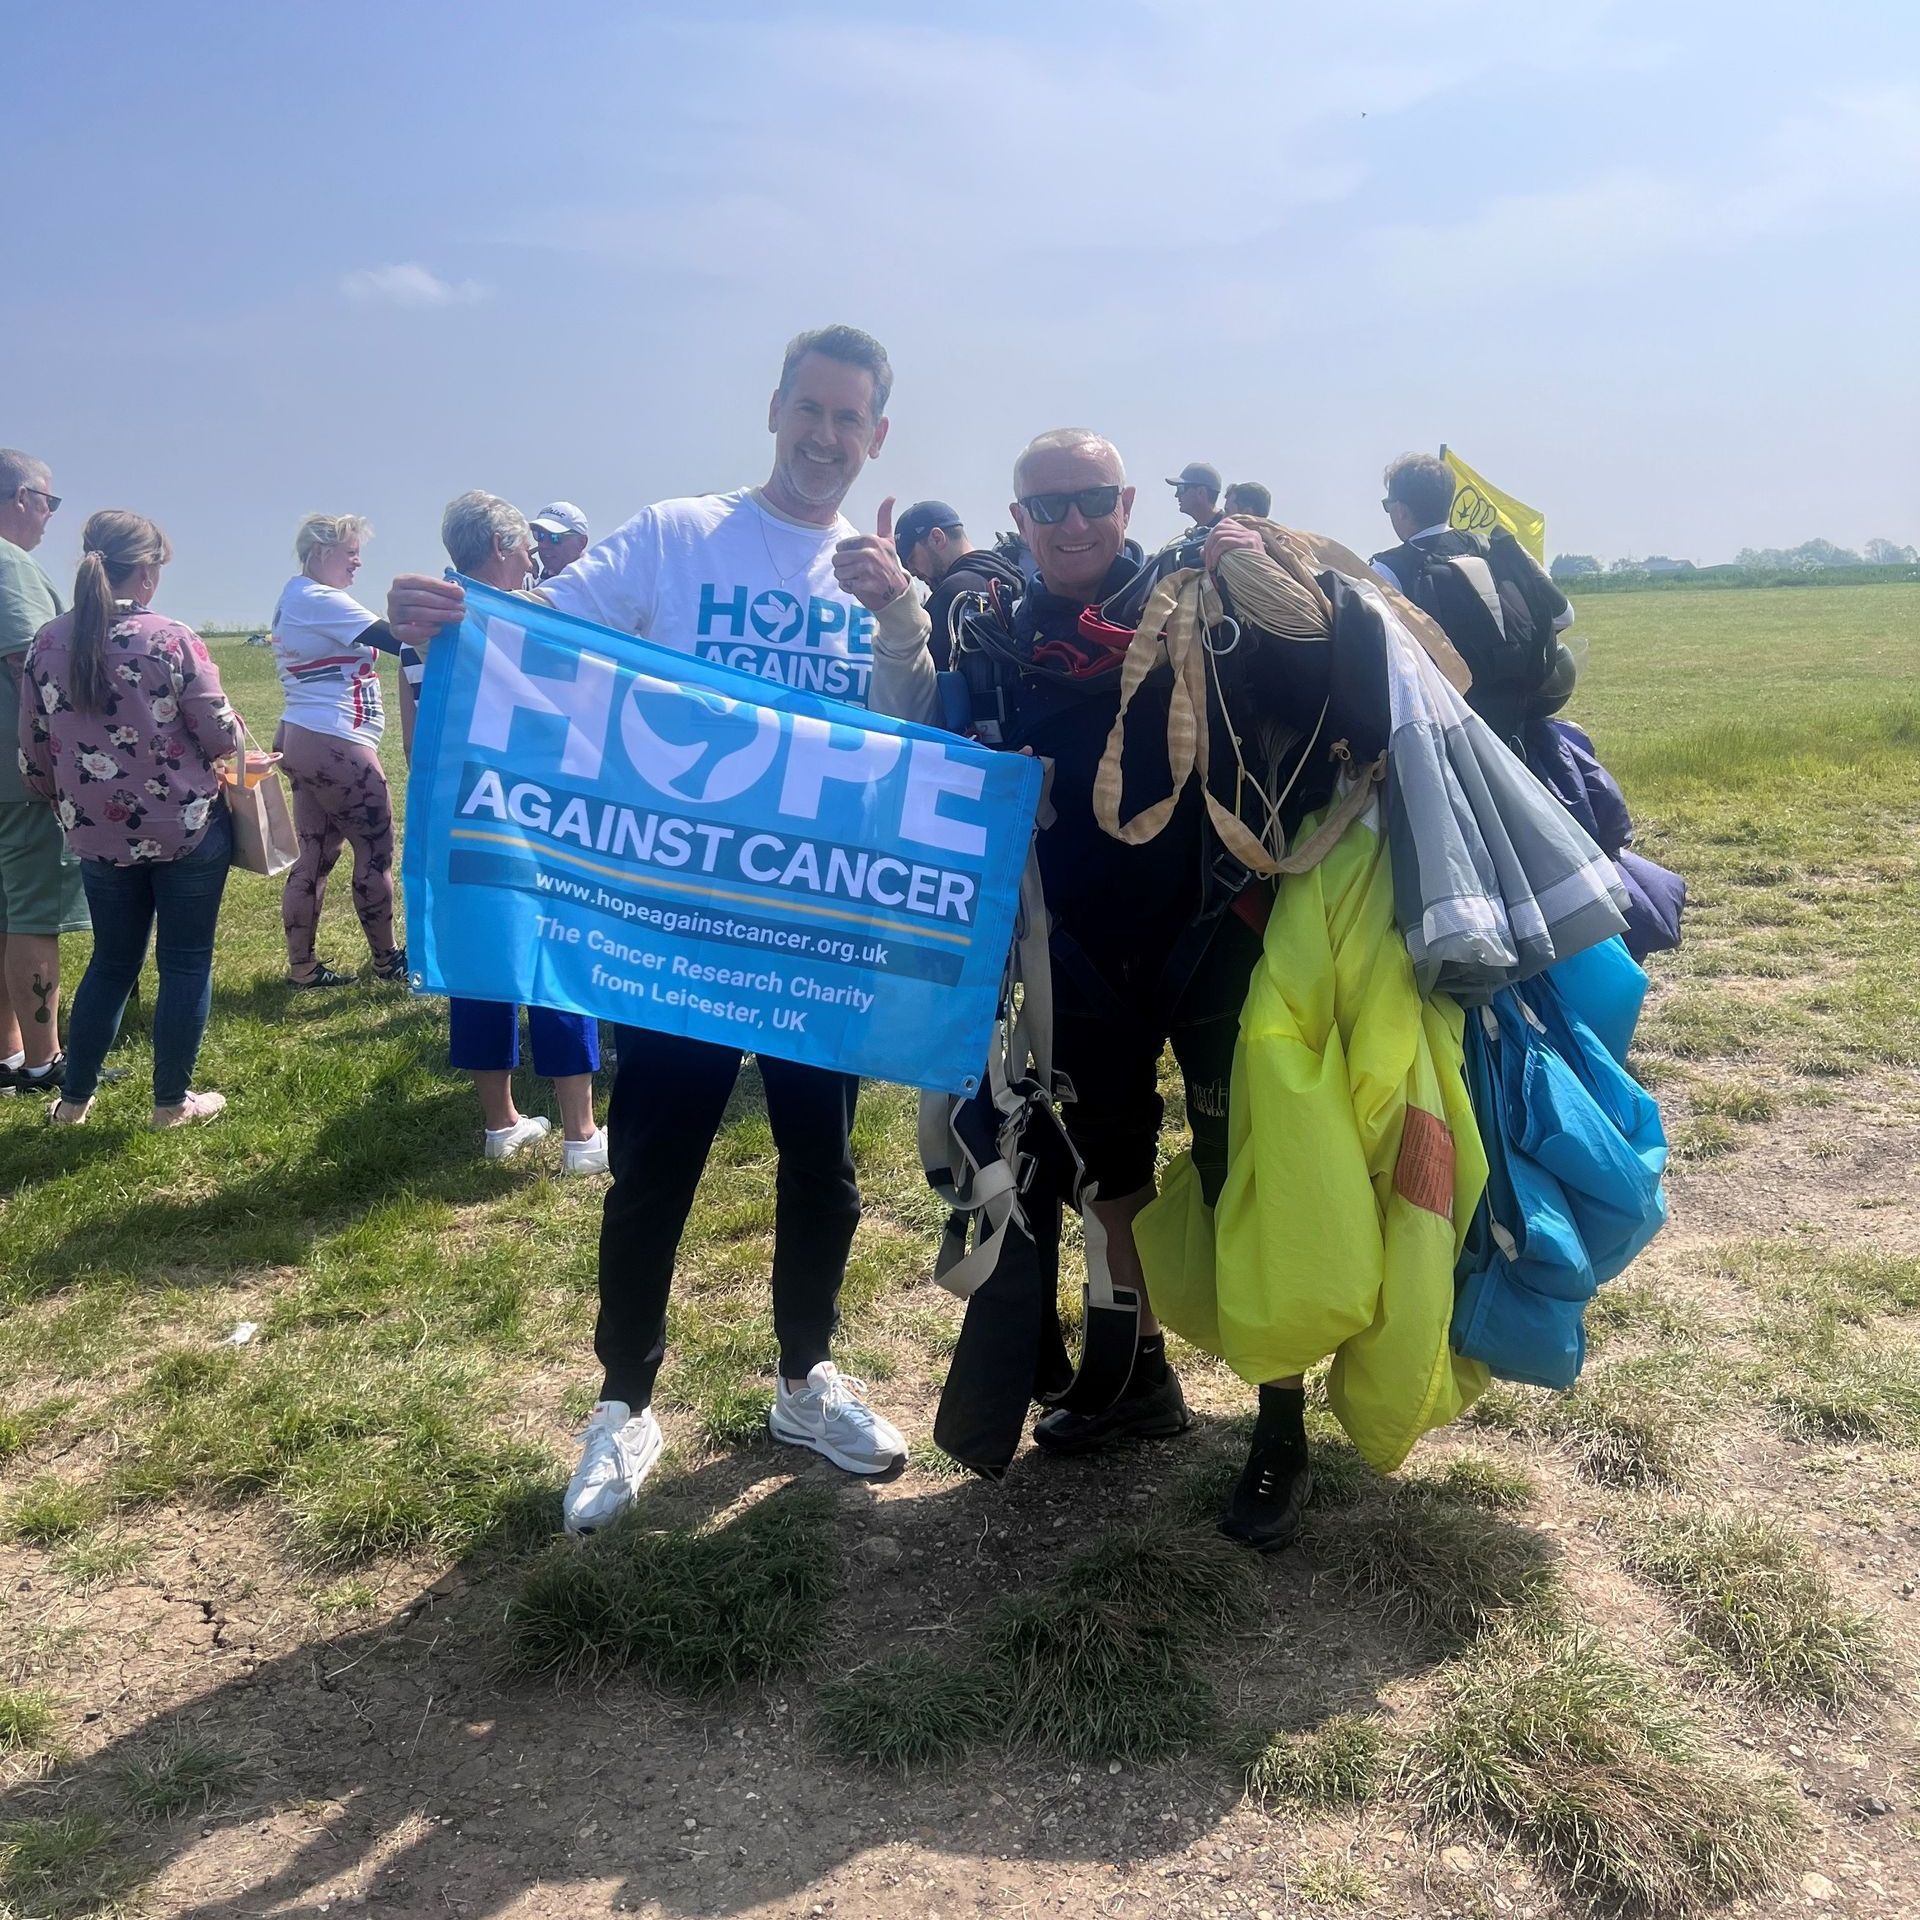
[(121, 723)]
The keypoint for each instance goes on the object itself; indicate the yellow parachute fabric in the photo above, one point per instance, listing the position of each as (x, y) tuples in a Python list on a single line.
[(1354, 1166)]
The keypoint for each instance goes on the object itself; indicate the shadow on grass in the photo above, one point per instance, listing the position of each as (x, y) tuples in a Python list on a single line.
[(397, 1141), (676, 1765)]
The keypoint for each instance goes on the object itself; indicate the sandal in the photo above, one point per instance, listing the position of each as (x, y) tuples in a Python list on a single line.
[(321, 976), (69, 1113), (393, 967)]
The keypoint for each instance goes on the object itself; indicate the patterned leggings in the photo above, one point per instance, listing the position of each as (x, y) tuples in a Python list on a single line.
[(339, 795)]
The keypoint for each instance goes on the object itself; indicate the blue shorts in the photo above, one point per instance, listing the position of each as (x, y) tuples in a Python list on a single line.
[(483, 1036)]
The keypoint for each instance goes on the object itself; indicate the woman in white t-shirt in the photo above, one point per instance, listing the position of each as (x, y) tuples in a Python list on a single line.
[(325, 644)]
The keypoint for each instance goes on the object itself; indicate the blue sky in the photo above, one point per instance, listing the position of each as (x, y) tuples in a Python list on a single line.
[(1652, 268)]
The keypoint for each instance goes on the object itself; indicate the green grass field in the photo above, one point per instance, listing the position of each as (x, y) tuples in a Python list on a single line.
[(284, 1620)]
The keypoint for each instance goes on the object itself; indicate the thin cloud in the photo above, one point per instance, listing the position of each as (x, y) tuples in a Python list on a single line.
[(408, 284), (1850, 151)]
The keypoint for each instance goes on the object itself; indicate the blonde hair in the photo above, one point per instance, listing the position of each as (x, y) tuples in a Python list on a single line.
[(112, 544), (319, 530)]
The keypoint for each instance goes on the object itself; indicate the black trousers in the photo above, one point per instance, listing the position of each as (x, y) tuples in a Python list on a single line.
[(669, 1097), (1108, 1043)]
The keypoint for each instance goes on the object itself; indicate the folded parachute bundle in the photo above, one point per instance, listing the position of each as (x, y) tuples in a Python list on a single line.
[(1575, 1153), (1562, 758), (1493, 882), (1354, 1164)]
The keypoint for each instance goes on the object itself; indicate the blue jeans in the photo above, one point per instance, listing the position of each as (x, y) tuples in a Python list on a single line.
[(184, 897)]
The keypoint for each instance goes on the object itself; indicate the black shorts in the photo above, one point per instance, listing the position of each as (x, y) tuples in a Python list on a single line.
[(1109, 1045)]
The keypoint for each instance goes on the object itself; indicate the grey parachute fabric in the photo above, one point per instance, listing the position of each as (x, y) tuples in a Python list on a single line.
[(1492, 880)]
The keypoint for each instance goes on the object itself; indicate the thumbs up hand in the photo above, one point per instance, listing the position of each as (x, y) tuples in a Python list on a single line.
[(867, 566)]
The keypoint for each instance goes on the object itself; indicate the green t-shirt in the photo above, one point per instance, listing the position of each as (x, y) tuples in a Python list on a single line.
[(27, 603)]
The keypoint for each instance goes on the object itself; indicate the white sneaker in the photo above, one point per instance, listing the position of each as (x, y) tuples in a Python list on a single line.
[(195, 1109), (830, 1415), (504, 1142), (619, 1452), (585, 1156)]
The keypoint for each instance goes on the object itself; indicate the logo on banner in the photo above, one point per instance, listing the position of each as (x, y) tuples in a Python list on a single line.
[(704, 746)]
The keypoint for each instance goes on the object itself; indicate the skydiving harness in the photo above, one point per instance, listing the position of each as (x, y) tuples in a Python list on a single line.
[(1002, 1159), (1004, 1164)]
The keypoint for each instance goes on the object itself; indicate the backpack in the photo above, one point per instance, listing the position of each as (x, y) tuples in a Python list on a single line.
[(1486, 595)]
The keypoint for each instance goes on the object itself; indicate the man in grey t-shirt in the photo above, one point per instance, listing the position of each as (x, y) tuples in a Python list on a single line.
[(40, 892)]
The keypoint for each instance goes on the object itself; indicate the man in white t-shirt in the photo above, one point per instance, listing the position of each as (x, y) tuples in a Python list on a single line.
[(772, 581)]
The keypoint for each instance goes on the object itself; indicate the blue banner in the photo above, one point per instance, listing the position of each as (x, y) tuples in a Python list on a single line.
[(605, 826)]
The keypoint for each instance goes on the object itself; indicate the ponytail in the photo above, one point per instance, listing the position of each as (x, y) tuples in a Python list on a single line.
[(92, 616), (113, 543)]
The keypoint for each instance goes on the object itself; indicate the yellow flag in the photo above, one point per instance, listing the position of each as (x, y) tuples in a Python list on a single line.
[(1479, 506)]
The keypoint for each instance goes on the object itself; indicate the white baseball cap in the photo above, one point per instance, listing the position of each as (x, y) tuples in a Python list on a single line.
[(561, 516)]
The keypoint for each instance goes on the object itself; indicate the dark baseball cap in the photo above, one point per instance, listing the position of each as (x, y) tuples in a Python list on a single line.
[(919, 520), (1196, 473)]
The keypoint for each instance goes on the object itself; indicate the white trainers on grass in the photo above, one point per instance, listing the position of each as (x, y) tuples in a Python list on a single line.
[(619, 1451), (830, 1415), (585, 1156), (504, 1142)]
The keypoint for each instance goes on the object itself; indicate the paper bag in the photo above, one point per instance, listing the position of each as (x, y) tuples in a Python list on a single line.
[(263, 836)]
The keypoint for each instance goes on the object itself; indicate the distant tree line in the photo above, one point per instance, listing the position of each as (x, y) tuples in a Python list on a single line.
[(1808, 557)]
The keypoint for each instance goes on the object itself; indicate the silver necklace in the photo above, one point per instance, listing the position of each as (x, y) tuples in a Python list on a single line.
[(762, 515)]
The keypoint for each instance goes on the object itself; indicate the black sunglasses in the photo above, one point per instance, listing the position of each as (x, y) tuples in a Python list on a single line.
[(52, 499), (547, 537), (1095, 503)]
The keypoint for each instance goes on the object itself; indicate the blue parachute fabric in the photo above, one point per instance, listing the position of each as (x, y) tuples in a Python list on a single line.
[(1606, 988), (1562, 758), (1575, 1152)]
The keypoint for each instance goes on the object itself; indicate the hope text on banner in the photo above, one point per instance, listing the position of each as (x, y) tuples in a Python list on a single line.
[(600, 825)]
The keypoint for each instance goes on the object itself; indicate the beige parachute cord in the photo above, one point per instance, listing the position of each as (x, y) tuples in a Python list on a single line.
[(1278, 591)]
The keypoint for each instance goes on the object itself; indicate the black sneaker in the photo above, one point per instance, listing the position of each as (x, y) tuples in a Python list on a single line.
[(45, 1079), (321, 976), (393, 967), (1144, 1413), (1271, 1495)]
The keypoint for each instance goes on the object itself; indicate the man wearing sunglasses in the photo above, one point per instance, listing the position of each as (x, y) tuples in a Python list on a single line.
[(559, 537), (40, 891), (1145, 948)]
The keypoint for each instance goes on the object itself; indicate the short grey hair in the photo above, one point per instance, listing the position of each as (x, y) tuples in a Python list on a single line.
[(851, 348), (1067, 439), (319, 530), (19, 470), (478, 525)]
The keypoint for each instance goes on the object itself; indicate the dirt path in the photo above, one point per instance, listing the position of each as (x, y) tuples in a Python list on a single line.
[(395, 1770)]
